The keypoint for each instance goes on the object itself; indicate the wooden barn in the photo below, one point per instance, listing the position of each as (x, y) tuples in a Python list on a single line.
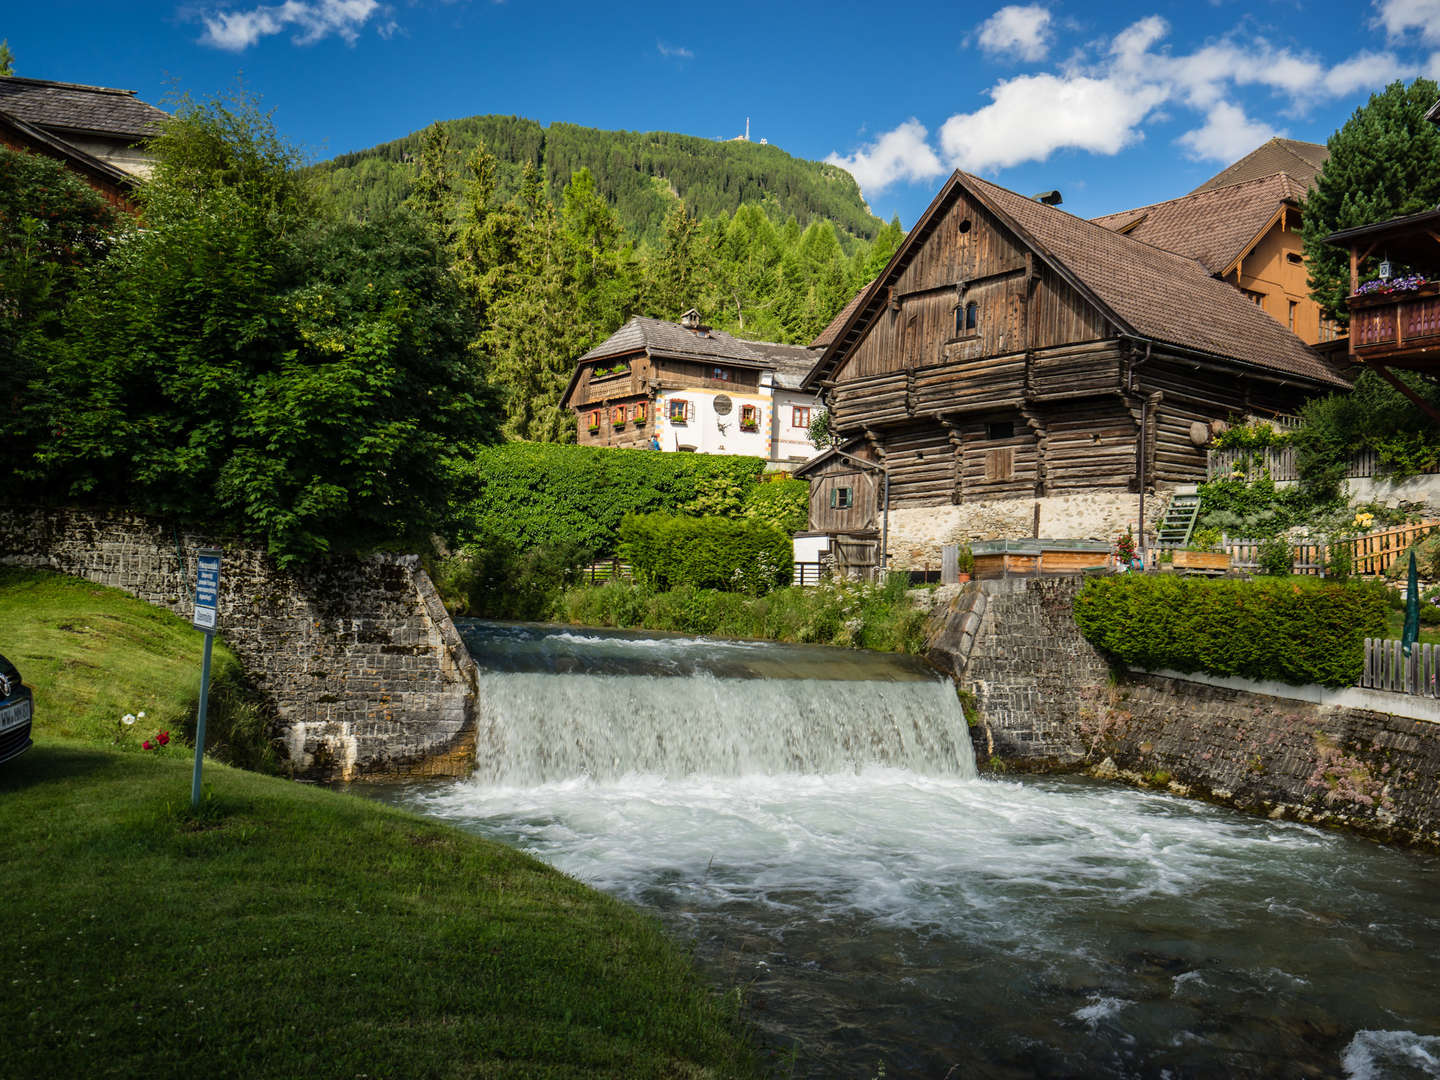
[(1019, 371)]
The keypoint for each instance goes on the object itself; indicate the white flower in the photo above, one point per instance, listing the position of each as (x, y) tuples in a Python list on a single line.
[(140, 716), (128, 719)]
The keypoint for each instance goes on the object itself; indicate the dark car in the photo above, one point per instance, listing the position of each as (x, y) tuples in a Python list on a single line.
[(17, 705)]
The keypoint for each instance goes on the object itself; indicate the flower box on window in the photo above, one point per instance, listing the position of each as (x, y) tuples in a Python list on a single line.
[(617, 416), (594, 425), (640, 413), (749, 418), (679, 411)]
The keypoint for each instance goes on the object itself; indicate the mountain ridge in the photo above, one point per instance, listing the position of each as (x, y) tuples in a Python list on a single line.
[(641, 174)]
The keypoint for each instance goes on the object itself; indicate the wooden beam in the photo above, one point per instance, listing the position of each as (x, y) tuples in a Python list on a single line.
[(1399, 384)]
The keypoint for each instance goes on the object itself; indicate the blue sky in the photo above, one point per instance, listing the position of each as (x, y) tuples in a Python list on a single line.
[(1116, 105)]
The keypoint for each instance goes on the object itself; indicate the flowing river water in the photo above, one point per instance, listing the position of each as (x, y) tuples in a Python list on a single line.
[(810, 823)]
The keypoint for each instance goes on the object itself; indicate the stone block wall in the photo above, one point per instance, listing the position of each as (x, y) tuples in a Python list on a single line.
[(917, 533), (359, 660), (1048, 701)]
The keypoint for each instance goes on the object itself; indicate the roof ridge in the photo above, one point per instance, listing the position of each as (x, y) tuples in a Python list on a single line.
[(1195, 264), (69, 85), (1194, 194)]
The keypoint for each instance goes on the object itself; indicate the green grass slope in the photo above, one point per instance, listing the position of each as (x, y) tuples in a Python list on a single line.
[(286, 930), (640, 173)]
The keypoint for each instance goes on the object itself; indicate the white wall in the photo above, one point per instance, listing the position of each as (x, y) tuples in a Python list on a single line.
[(789, 442), (708, 432)]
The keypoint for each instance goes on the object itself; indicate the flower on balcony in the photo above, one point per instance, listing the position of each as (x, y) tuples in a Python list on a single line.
[(1385, 286)]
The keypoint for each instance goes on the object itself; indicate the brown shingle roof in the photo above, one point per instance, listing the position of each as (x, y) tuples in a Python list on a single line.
[(832, 331), (1301, 160), (58, 106), (1214, 226), (1156, 294)]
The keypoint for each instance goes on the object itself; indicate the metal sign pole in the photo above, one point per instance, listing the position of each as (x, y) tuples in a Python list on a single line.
[(207, 592)]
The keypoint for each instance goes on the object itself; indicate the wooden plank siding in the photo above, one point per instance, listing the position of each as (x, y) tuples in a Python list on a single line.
[(932, 395), (864, 513)]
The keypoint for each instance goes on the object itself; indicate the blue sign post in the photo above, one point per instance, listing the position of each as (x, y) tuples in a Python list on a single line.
[(207, 592)]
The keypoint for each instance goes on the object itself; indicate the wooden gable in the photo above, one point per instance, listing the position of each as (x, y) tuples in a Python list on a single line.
[(968, 257)]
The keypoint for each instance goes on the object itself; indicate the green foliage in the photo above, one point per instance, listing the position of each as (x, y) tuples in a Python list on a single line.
[(1381, 165), (1256, 435), (851, 615), (1427, 559), (819, 433), (52, 226), (1340, 558), (548, 495), (1259, 509), (964, 559), (1294, 630), (1276, 557), (784, 504), (7, 58), (666, 552), (1206, 539), (1374, 416), (643, 175), (499, 578), (244, 362)]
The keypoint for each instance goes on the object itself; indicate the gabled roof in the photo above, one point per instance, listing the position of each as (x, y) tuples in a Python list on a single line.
[(1214, 226), (658, 337), (72, 107), (1433, 115), (98, 171), (1143, 291), (1301, 160)]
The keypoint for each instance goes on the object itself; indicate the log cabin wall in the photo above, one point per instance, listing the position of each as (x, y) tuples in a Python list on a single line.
[(693, 373), (862, 516), (605, 393)]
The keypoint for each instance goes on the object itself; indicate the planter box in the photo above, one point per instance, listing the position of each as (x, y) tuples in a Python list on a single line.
[(1216, 561), (1032, 558)]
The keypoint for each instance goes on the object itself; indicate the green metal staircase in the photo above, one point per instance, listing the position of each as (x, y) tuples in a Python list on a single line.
[(1179, 521)]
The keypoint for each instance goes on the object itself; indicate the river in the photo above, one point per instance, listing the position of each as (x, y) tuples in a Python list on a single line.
[(810, 822)]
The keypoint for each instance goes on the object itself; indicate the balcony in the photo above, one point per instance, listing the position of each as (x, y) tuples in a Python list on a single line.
[(1397, 328)]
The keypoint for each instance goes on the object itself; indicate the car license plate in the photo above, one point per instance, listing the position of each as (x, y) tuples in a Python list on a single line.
[(14, 715)]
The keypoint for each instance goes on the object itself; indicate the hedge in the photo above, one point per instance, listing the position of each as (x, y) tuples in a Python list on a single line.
[(1292, 630), (546, 494), (668, 552)]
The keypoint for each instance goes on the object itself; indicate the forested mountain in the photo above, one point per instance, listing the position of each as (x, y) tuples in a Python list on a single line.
[(642, 175)]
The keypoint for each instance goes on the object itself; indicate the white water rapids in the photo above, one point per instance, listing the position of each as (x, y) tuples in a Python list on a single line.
[(809, 820)]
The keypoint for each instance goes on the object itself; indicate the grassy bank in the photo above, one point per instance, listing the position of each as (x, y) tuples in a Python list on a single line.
[(70, 638), (287, 930), (851, 615)]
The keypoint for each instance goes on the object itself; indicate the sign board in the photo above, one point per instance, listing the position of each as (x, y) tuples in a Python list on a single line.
[(207, 589)]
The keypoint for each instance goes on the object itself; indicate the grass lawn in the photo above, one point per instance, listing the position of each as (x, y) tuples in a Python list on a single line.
[(293, 931), (1395, 625)]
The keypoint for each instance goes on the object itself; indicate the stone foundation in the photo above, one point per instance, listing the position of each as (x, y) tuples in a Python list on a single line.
[(1047, 701), (358, 659), (917, 533)]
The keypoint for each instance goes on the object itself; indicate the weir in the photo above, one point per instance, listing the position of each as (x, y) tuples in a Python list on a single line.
[(563, 704)]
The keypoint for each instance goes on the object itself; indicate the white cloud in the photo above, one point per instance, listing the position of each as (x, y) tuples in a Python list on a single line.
[(312, 21), (1228, 134), (1367, 71), (1401, 16), (675, 52), (1022, 31), (1031, 117), (902, 154)]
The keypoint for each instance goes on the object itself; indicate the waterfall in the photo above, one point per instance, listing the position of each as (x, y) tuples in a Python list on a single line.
[(558, 705)]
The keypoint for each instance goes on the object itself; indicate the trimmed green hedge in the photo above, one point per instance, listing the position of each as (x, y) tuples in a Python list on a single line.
[(706, 553), (546, 494), (1292, 630)]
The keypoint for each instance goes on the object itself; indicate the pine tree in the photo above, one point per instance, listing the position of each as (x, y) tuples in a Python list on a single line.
[(1384, 162)]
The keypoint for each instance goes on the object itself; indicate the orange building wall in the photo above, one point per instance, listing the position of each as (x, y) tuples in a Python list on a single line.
[(1268, 270)]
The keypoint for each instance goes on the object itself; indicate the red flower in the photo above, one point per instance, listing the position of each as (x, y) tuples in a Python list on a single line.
[(163, 738), (145, 745)]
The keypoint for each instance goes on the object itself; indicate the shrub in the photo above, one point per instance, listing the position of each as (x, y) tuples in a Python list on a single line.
[(496, 577), (1294, 630), (707, 553), (1276, 557), (1340, 558), (1427, 558), (1207, 539), (547, 494), (782, 503)]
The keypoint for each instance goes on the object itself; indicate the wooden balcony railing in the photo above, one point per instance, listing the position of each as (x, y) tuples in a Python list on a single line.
[(1395, 325)]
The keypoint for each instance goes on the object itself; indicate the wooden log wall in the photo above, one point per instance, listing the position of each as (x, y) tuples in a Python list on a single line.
[(611, 387), (693, 373), (1090, 445), (921, 463)]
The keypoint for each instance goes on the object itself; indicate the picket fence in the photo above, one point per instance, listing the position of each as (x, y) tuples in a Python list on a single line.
[(1371, 554), (1278, 462), (1388, 668)]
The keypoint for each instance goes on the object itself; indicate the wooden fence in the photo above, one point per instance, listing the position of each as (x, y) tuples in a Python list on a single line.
[(1371, 554), (605, 570), (808, 573), (1278, 462), (1388, 668)]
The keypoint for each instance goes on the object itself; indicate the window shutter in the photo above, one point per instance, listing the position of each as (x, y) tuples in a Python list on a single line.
[(1000, 463)]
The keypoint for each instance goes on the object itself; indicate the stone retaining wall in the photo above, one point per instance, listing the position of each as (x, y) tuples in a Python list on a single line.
[(364, 670), (1048, 701)]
